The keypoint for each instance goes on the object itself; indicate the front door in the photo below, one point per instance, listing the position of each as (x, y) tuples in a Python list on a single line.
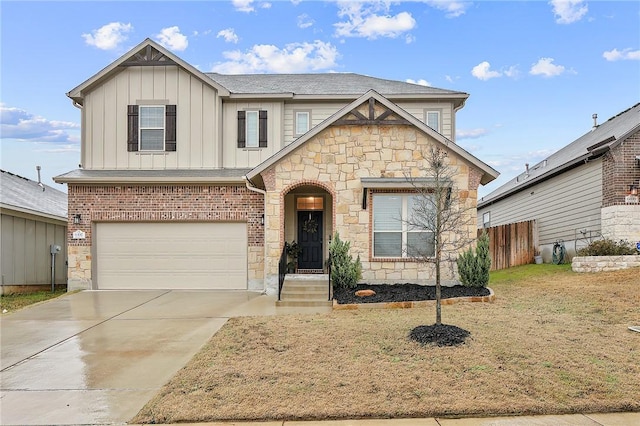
[(310, 239)]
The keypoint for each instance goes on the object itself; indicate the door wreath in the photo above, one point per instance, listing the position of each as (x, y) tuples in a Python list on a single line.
[(310, 226)]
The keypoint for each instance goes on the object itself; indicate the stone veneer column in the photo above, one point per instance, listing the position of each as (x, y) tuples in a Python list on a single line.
[(621, 222)]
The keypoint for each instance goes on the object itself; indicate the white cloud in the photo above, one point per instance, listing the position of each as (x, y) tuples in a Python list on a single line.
[(452, 8), (421, 82), (515, 164), (304, 21), (172, 39), (618, 55), (16, 123), (108, 37), (471, 133), (512, 71), (292, 58), (483, 71), (363, 20), (247, 6), (569, 11), (546, 68), (229, 35), (243, 5)]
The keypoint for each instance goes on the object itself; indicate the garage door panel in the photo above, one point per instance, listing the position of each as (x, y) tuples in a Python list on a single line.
[(171, 255)]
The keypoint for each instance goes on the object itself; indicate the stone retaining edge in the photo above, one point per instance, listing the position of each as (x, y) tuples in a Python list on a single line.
[(416, 304), (604, 263)]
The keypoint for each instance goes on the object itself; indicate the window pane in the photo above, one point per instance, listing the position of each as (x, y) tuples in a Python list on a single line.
[(151, 140), (151, 117), (387, 213), (421, 212), (387, 244), (252, 128), (420, 244), (302, 122), (433, 120)]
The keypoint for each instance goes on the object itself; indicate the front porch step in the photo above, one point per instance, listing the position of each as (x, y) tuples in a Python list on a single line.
[(305, 291)]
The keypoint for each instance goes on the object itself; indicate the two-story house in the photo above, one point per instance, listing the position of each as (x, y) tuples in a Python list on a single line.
[(196, 180)]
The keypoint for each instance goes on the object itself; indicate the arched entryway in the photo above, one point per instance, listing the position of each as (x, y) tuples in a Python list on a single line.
[(308, 222)]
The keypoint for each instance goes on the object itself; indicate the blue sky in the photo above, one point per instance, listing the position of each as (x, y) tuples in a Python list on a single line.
[(535, 70)]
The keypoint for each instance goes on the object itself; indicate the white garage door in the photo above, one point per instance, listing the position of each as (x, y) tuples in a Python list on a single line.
[(171, 255)]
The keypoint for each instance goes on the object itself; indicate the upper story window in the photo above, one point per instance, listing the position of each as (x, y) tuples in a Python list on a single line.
[(302, 122), (252, 129), (432, 119), (394, 230), (151, 128)]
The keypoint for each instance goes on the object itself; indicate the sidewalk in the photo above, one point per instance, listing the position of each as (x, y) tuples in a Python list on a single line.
[(605, 419)]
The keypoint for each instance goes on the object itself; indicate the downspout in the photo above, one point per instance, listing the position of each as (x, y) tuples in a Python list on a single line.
[(253, 188)]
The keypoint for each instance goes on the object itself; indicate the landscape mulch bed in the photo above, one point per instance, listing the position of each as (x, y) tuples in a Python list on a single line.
[(404, 293)]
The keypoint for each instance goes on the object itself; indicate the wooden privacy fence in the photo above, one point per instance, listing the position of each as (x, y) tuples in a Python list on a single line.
[(511, 244)]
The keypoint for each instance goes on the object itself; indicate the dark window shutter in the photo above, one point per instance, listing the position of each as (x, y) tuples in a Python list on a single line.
[(170, 128), (132, 128), (262, 130), (242, 131)]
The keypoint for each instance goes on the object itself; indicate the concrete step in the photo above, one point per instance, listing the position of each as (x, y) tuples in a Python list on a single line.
[(303, 303)]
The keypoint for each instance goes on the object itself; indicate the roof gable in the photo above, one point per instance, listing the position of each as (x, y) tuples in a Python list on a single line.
[(374, 109), (147, 53)]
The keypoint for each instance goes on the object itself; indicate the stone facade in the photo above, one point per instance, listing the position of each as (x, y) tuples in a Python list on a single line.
[(604, 263), (160, 203), (335, 160), (621, 222)]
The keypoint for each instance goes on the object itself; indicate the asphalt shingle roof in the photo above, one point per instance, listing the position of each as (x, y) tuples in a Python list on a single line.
[(27, 195), (606, 134), (321, 84)]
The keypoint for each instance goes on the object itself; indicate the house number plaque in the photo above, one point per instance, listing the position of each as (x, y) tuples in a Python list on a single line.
[(79, 235)]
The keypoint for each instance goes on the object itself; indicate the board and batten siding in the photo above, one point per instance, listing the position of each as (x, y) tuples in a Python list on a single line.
[(561, 206), (26, 252), (104, 120), (447, 117), (234, 157)]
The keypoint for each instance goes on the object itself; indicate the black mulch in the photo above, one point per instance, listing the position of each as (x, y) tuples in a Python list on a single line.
[(439, 335), (404, 293)]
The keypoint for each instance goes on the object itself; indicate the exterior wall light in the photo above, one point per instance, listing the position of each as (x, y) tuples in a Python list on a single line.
[(262, 219), (77, 218)]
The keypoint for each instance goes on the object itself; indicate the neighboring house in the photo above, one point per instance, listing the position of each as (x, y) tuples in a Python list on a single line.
[(197, 180), (33, 218), (585, 191)]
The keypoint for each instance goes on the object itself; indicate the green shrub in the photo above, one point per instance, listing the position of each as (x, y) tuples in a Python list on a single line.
[(474, 267), (607, 247), (345, 272)]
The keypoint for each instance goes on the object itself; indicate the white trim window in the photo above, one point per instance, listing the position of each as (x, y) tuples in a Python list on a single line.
[(395, 234), (152, 127), (302, 122), (486, 219), (432, 119)]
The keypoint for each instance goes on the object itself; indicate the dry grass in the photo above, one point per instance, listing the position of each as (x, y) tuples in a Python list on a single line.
[(552, 343)]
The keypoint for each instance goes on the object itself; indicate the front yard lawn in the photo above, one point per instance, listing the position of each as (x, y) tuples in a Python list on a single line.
[(553, 342), (13, 302)]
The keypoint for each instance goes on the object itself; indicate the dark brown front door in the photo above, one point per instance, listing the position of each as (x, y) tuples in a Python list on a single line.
[(310, 239)]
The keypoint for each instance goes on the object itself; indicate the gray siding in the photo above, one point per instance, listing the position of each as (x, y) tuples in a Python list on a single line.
[(562, 206), (26, 256)]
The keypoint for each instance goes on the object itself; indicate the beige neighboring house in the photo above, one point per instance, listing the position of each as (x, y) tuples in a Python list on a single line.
[(196, 180), (587, 190), (33, 217)]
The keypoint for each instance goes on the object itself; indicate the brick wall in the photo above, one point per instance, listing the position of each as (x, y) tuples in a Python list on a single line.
[(619, 170), (164, 203)]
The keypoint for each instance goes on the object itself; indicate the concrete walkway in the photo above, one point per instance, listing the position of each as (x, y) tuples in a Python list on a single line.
[(613, 419), (96, 357)]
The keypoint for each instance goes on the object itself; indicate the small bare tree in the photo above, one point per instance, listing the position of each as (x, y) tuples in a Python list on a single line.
[(442, 217)]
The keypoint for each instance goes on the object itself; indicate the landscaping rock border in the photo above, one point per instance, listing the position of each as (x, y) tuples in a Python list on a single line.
[(413, 304), (604, 263)]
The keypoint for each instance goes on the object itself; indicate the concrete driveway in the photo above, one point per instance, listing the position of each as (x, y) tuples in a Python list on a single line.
[(96, 357)]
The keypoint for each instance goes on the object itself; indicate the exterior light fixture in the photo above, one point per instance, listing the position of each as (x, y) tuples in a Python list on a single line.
[(262, 219), (633, 189), (77, 218)]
